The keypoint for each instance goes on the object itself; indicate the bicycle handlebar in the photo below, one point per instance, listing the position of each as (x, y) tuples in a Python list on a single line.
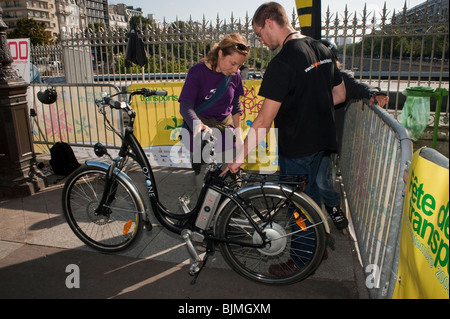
[(114, 104), (147, 92)]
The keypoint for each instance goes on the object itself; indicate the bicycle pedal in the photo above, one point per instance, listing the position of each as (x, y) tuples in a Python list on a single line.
[(184, 202), (195, 268)]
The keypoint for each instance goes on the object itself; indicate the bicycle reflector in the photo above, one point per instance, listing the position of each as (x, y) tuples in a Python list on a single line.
[(48, 96), (300, 222), (127, 226)]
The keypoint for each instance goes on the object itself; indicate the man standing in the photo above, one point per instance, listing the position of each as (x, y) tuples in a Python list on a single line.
[(298, 88)]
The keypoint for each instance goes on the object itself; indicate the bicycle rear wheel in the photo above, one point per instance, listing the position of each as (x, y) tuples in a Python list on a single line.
[(117, 227), (295, 230)]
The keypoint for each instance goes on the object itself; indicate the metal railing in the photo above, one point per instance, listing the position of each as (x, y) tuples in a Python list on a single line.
[(73, 118), (394, 51), (382, 48), (376, 151)]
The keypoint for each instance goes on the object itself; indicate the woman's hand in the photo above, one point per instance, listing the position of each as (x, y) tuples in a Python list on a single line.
[(200, 128)]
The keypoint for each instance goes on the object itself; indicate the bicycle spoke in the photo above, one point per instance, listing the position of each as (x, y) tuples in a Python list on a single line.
[(291, 250), (111, 228)]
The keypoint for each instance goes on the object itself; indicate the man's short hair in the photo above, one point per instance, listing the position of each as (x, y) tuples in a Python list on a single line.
[(273, 11)]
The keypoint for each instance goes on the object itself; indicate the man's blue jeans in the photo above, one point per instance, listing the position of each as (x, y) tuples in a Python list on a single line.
[(324, 182), (302, 242), (308, 165)]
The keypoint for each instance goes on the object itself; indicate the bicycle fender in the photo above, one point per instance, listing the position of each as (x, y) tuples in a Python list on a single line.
[(128, 182), (286, 188)]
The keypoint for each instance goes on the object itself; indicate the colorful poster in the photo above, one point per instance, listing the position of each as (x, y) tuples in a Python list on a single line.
[(74, 118), (158, 127), (423, 261)]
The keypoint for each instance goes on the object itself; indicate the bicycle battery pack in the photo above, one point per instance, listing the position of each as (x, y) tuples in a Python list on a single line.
[(208, 209)]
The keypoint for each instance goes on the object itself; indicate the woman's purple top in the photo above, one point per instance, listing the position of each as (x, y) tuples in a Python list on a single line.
[(200, 85)]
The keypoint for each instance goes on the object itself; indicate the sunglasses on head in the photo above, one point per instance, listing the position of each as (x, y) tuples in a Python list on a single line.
[(239, 46), (242, 47)]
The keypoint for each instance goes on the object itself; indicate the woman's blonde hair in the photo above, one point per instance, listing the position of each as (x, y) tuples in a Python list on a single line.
[(231, 43)]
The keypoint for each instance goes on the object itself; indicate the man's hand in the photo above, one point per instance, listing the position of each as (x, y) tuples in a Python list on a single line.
[(381, 99), (232, 167), (257, 133)]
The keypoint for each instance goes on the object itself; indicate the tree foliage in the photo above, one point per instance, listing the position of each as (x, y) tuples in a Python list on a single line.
[(30, 28), (404, 43)]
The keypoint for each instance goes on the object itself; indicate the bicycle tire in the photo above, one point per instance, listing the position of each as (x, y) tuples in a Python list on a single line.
[(289, 243), (112, 232)]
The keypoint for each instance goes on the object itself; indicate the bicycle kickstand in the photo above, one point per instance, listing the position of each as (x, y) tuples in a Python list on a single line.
[(209, 252), (198, 264)]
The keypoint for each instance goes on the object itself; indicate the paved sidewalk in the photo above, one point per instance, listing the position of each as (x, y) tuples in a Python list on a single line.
[(36, 246)]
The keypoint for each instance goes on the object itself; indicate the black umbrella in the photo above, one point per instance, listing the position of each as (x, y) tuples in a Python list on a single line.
[(135, 51)]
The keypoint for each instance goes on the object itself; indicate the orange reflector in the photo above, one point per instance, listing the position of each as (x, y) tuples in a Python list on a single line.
[(127, 227), (300, 222)]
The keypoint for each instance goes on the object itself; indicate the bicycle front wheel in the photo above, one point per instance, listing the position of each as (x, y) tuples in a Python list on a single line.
[(119, 223), (295, 232)]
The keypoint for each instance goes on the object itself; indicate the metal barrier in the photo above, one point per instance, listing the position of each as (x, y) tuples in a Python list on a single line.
[(376, 151), (73, 118), (435, 157)]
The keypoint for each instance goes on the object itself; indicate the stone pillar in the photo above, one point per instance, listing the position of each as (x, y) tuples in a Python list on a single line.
[(18, 173)]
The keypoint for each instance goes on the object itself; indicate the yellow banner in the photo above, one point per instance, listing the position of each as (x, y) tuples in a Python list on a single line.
[(423, 262), (159, 122)]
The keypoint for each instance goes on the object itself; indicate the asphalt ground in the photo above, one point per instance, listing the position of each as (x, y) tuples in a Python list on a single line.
[(41, 258)]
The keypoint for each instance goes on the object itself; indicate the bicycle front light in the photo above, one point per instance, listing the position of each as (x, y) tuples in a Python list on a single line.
[(100, 149)]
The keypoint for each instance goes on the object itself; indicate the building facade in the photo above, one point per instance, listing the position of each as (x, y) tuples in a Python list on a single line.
[(432, 10), (97, 12), (39, 10), (67, 17), (72, 17)]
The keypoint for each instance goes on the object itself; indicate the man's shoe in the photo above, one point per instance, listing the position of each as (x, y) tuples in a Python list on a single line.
[(338, 217)]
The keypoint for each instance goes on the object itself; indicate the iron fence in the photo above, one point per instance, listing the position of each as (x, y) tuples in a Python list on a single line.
[(384, 49)]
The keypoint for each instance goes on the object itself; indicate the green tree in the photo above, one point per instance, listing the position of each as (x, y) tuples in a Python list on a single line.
[(137, 20), (30, 28)]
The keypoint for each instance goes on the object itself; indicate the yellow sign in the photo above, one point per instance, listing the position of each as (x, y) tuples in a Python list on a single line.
[(158, 127), (424, 249)]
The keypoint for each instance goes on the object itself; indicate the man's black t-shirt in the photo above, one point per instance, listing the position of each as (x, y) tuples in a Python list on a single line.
[(301, 76)]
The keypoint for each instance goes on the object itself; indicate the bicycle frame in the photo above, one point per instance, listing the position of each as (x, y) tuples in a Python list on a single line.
[(257, 225), (187, 221), (130, 142)]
